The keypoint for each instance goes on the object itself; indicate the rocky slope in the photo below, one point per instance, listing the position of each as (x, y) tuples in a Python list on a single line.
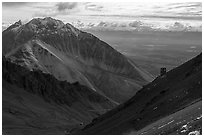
[(37, 103), (73, 55), (173, 99)]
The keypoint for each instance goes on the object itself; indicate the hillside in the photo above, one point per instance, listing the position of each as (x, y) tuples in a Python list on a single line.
[(164, 106), (69, 54), (37, 103)]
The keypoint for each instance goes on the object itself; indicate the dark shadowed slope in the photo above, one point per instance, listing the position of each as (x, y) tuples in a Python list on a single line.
[(182, 122), (165, 96), (73, 55), (38, 103)]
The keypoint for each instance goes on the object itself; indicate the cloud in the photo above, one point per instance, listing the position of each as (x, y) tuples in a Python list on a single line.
[(107, 24), (80, 24), (174, 17), (178, 26), (46, 13), (93, 7), (136, 24), (5, 26), (139, 25), (113, 15), (62, 6), (122, 25), (91, 25), (103, 24), (188, 5), (13, 4)]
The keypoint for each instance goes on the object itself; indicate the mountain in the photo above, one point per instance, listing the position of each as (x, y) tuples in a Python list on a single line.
[(34, 102), (171, 104), (69, 54)]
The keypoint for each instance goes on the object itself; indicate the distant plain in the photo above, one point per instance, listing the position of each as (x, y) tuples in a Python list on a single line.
[(151, 50)]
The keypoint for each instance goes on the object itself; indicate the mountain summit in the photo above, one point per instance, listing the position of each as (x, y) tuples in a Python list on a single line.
[(70, 54)]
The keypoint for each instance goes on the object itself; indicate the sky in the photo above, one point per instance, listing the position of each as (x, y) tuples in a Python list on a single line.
[(118, 15)]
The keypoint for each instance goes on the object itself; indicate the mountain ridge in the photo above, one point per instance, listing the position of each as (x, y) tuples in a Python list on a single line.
[(83, 57), (165, 95), (70, 103)]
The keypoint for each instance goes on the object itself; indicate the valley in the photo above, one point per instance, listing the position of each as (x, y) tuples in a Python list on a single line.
[(57, 79), (170, 95), (151, 50)]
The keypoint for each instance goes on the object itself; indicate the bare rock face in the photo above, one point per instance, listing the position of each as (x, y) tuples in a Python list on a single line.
[(35, 102), (48, 86), (73, 55)]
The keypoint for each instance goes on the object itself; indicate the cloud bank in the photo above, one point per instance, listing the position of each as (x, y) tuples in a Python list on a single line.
[(62, 6), (131, 16)]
